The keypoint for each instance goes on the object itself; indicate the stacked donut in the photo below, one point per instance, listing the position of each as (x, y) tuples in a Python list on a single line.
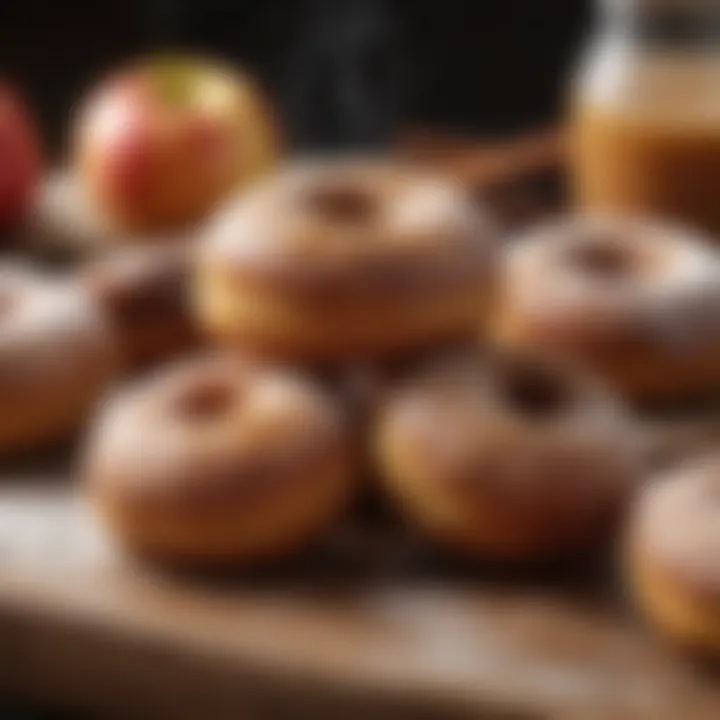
[(241, 453), (237, 455), (509, 435)]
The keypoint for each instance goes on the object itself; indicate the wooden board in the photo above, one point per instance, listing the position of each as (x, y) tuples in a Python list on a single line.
[(368, 623)]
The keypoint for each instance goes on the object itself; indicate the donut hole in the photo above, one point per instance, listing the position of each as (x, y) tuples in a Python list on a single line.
[(600, 259), (204, 401), (345, 204), (535, 391)]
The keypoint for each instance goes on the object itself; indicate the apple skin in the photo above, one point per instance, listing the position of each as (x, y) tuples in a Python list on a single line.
[(20, 158), (160, 144)]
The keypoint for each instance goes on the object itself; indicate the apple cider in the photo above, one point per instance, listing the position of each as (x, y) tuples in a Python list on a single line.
[(646, 113)]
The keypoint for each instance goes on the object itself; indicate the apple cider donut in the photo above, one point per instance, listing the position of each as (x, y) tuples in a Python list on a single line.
[(674, 555), (57, 356), (510, 457), (637, 302), (352, 259), (216, 460)]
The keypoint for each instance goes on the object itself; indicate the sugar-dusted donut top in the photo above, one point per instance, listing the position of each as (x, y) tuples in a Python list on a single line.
[(602, 283), (353, 228)]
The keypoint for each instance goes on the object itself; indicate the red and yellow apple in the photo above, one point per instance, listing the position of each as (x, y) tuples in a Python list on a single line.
[(161, 143), (20, 158)]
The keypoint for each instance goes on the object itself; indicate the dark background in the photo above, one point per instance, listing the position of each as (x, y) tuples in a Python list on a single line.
[(345, 73)]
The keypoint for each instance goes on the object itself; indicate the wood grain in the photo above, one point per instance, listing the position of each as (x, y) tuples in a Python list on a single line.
[(360, 625)]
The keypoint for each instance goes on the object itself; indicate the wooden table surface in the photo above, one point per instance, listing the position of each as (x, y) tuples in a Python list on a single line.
[(370, 622)]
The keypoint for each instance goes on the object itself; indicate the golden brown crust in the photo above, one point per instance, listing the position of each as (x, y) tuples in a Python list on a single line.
[(332, 250), (674, 554), (637, 302), (275, 326), (688, 618), (57, 356), (510, 457), (676, 523), (145, 293), (218, 458)]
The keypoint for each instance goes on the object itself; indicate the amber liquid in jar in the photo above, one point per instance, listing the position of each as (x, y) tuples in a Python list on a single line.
[(646, 123)]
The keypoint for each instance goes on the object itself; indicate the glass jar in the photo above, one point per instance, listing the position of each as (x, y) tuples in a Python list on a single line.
[(646, 112)]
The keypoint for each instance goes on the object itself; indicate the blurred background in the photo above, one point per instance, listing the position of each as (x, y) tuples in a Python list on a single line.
[(345, 73)]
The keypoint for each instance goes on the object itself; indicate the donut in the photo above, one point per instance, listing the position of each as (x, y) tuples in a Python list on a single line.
[(217, 460), (509, 457), (636, 301), (57, 356), (674, 555), (345, 260), (145, 293)]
